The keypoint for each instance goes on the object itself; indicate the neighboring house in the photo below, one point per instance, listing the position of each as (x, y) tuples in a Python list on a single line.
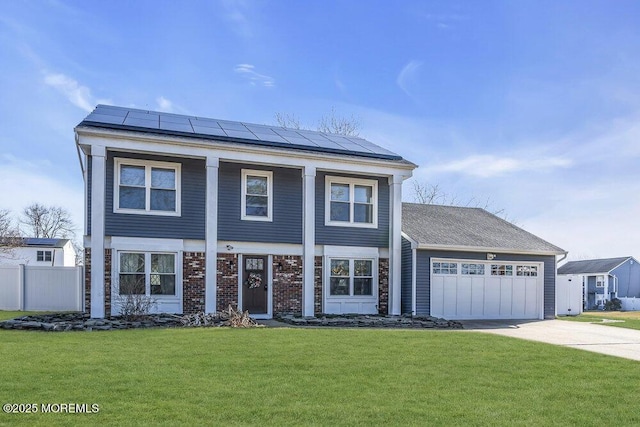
[(465, 263), (42, 252), (200, 214), (605, 279)]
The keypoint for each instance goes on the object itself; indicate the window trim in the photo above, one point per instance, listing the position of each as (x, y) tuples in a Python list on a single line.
[(352, 276), (44, 256), (147, 272), (148, 165), (600, 283), (351, 182), (243, 199)]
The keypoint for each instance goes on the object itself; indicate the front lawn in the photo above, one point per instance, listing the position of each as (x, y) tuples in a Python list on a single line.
[(283, 376), (624, 319), (5, 315)]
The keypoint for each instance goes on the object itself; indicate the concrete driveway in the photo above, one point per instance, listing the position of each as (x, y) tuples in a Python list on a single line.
[(603, 339)]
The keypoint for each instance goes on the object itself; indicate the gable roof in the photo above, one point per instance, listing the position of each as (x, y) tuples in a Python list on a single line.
[(458, 228), (45, 243), (592, 266), (120, 118)]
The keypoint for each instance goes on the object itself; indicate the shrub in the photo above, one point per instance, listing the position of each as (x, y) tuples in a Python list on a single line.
[(614, 305)]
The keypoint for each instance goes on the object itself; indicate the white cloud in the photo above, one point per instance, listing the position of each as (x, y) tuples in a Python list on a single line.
[(235, 11), (78, 95), (164, 104), (248, 72), (408, 75), (486, 165)]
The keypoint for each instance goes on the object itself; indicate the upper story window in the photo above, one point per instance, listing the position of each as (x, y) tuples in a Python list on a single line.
[(146, 187), (257, 195), (600, 281), (44, 256), (351, 202)]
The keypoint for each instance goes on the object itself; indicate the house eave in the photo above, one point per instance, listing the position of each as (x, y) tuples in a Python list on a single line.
[(232, 145), (461, 248)]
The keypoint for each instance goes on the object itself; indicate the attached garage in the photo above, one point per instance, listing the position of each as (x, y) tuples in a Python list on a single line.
[(474, 289), (465, 263)]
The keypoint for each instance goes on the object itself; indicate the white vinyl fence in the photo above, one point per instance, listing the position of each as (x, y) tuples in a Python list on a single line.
[(30, 288), (630, 304)]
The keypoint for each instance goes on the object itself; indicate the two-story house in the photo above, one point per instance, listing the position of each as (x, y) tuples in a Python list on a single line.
[(200, 213)]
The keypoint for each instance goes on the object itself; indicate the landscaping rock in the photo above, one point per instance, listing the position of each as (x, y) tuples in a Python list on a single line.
[(370, 321)]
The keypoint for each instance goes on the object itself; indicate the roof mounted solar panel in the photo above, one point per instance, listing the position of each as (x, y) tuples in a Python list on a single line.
[(131, 119)]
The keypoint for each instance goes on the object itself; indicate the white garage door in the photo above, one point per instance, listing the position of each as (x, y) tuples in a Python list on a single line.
[(469, 289)]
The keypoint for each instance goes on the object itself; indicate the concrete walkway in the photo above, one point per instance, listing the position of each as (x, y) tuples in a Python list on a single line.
[(603, 339)]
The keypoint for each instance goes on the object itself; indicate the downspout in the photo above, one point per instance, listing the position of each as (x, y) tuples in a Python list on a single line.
[(79, 155)]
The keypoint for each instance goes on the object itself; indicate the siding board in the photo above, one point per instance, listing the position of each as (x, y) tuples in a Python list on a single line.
[(406, 275), (286, 226), (191, 223), (353, 236)]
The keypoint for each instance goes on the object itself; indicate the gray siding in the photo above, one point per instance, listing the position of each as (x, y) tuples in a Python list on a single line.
[(353, 236), (406, 276), (191, 223), (628, 275), (286, 226), (423, 285)]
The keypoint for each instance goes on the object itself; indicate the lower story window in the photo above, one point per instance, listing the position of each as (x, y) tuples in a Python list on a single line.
[(351, 277), (147, 273)]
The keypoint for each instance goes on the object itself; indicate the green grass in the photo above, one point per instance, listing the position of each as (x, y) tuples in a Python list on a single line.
[(283, 376), (5, 315), (625, 319)]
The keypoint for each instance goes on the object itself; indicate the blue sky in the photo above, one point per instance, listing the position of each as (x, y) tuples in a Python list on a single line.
[(531, 105)]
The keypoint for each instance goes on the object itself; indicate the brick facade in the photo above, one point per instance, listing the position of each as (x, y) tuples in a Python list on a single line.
[(107, 282), (227, 281), (193, 283), (87, 280), (287, 284), (383, 286), (317, 286)]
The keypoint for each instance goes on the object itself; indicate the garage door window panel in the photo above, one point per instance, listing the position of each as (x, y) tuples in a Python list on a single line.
[(445, 268), (527, 270), (501, 270), (473, 269)]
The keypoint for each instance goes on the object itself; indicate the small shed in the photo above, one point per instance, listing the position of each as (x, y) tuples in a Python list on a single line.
[(466, 263)]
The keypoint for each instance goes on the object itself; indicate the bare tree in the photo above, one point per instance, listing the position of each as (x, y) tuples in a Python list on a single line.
[(289, 121), (331, 123), (9, 234), (47, 222), (347, 126), (430, 194)]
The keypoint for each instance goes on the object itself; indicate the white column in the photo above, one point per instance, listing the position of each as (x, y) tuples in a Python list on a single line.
[(395, 243), (98, 154), (309, 239), (211, 235)]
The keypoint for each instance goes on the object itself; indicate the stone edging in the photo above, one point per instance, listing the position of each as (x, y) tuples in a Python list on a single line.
[(371, 321)]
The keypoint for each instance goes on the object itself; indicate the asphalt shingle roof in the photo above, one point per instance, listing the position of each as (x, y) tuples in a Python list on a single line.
[(111, 117), (591, 266), (460, 227)]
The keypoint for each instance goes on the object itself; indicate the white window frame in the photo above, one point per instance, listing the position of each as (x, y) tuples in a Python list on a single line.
[(600, 283), (243, 201), (147, 272), (351, 182), (44, 256), (148, 165), (352, 277)]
